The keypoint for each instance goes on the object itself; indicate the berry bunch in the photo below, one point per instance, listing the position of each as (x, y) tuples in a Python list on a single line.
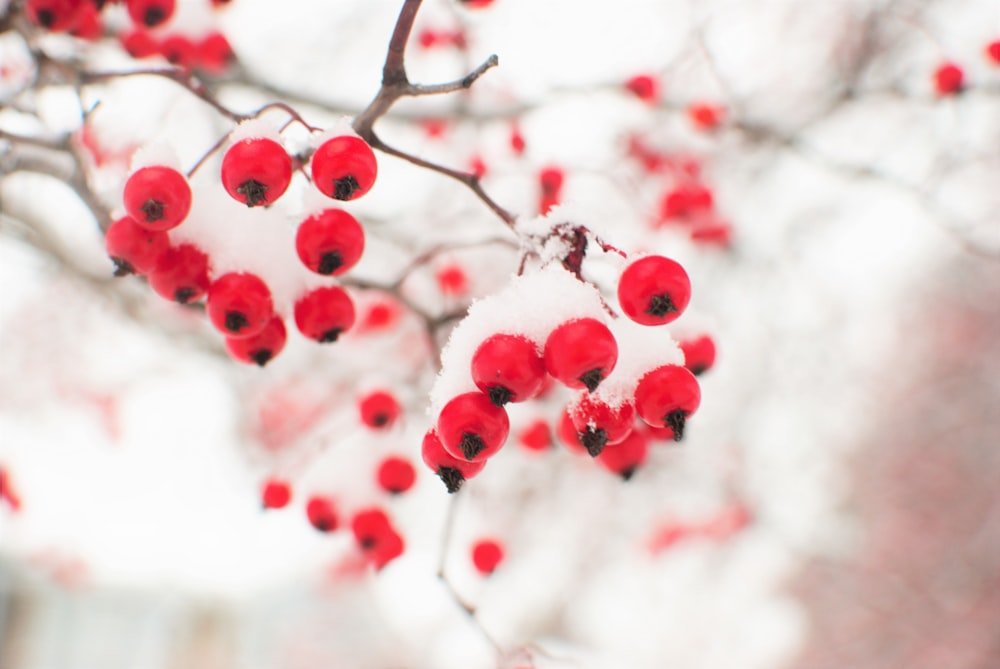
[(255, 171)]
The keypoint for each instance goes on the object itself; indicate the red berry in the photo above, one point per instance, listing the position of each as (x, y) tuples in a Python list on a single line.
[(598, 424), (256, 171), (517, 143), (581, 353), (486, 555), (476, 4), (551, 180), (452, 280), (993, 52), (627, 456), (330, 242), (179, 50), (344, 167), (508, 368), (150, 13), (54, 15), (396, 475), (157, 197), (324, 314), (321, 513), (685, 201), (214, 53), (261, 348), (133, 248), (666, 397), (948, 79), (699, 354), (473, 427), (139, 43), (239, 304), (181, 274), (87, 24), (644, 87), (452, 471), (375, 535), (536, 436), (568, 434), (275, 494), (379, 409), (705, 116), (654, 290)]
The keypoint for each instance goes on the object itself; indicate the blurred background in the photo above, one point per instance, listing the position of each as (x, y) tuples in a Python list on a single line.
[(821, 171)]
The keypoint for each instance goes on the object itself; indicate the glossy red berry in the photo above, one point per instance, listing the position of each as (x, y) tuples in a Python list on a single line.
[(452, 471), (699, 354), (322, 513), (396, 475), (344, 167), (256, 171), (157, 197), (324, 314), (54, 15), (949, 79), (239, 304), (644, 87), (508, 368), (214, 53), (379, 409), (133, 248), (470, 426), (599, 424), (626, 457), (377, 538), (181, 274), (993, 52), (150, 13), (580, 353), (330, 242), (487, 555), (275, 494), (654, 290), (536, 435), (139, 43), (261, 348), (666, 397)]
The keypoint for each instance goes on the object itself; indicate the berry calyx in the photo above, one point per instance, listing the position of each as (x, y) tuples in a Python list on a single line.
[(321, 513), (452, 471), (256, 171), (132, 248), (487, 555), (239, 304), (344, 167), (324, 314), (261, 348), (396, 475), (666, 397), (470, 426), (654, 290), (508, 368), (598, 424), (379, 409), (275, 494), (580, 353), (157, 197), (330, 242), (181, 274)]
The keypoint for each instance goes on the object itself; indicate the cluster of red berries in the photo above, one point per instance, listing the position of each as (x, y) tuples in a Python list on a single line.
[(579, 353), (70, 15), (256, 171), (211, 53)]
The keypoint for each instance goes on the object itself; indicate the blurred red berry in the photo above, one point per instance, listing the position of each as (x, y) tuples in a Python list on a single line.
[(487, 554)]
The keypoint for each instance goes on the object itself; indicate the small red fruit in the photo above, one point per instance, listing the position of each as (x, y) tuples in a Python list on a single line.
[(705, 116), (452, 280), (261, 348), (666, 397), (181, 274), (330, 242), (580, 353), (379, 409), (396, 475), (54, 15), (626, 457), (344, 167), (699, 354), (157, 197), (508, 368), (256, 171), (536, 436), (473, 427), (654, 290), (644, 87), (239, 304), (598, 424), (486, 555), (321, 513), (150, 13), (452, 471), (324, 314), (375, 535), (568, 434), (134, 249), (993, 52), (949, 79), (275, 494)]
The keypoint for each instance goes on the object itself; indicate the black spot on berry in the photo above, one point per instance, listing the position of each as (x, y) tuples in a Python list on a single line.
[(235, 321), (123, 267), (452, 479), (46, 18), (380, 419), (330, 335), (628, 473), (698, 370), (154, 16), (183, 295), (254, 191), (329, 263), (471, 445), (261, 357), (345, 187), (499, 395), (152, 210), (661, 305), (593, 440), (592, 379), (675, 420)]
